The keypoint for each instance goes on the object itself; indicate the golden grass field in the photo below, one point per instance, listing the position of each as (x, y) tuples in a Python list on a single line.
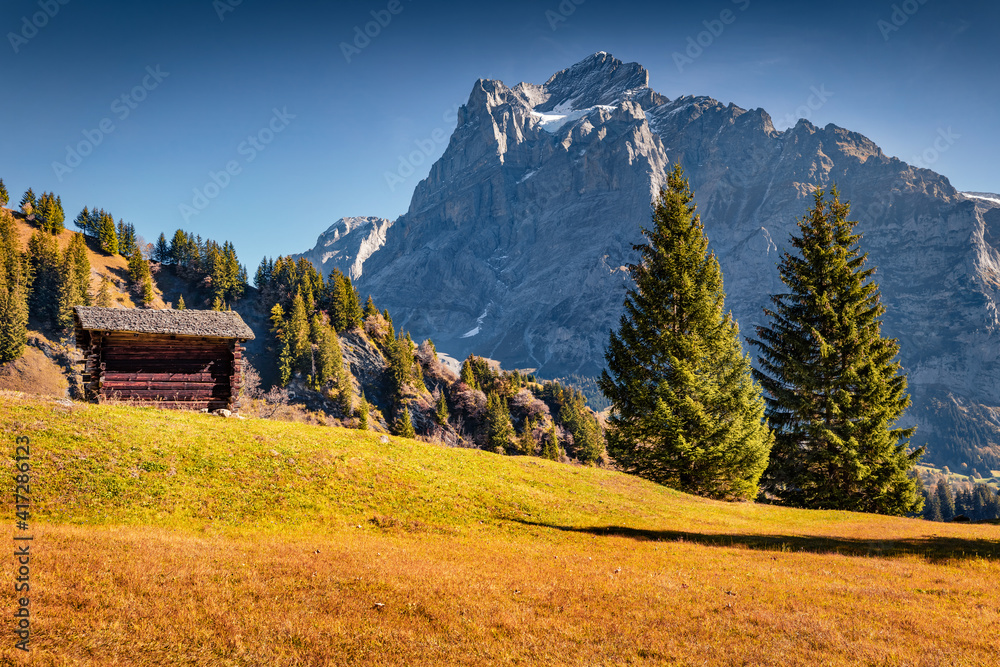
[(168, 538)]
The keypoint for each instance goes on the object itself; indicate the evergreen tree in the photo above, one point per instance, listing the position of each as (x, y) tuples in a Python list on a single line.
[(148, 293), (834, 389), (74, 283), (441, 408), (45, 272), (28, 202), (107, 236), (286, 360), (83, 222), (499, 431), (13, 292), (180, 303), (404, 424), (946, 499), (370, 308), (104, 294), (161, 251), (467, 375), (49, 213), (526, 442), (298, 332), (551, 449), (4, 196), (932, 508), (685, 410)]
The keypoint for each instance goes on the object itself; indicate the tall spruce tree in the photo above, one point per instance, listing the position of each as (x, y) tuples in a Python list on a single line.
[(107, 235), (104, 299), (499, 430), (28, 202), (13, 292), (834, 387), (4, 195), (46, 277), (685, 410)]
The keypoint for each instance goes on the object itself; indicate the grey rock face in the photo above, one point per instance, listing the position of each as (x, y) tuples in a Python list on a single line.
[(515, 245), (347, 244)]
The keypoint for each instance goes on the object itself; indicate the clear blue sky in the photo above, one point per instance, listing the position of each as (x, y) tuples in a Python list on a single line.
[(222, 68)]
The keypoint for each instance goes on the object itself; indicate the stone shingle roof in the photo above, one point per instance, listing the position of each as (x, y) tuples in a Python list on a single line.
[(208, 323)]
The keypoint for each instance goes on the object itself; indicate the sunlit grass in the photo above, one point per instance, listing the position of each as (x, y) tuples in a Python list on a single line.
[(177, 538)]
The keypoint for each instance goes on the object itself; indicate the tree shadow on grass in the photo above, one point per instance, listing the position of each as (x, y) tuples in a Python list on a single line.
[(932, 547)]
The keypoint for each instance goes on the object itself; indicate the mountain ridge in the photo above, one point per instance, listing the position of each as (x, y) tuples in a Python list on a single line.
[(516, 243)]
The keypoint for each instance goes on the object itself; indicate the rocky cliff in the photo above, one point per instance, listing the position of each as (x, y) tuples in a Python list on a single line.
[(514, 246)]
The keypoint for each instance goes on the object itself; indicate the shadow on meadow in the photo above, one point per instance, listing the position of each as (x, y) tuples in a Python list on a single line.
[(934, 548)]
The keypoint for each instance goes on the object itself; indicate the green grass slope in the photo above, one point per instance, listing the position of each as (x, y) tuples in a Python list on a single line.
[(141, 466), (166, 538)]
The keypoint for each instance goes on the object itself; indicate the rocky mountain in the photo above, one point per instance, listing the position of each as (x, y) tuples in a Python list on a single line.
[(516, 243), (347, 245)]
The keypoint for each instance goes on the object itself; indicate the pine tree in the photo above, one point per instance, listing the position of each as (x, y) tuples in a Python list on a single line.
[(148, 293), (107, 236), (932, 508), (404, 424), (551, 449), (441, 409), (74, 283), (525, 441), (28, 202), (161, 251), (82, 221), (946, 499), (370, 308), (685, 410), (279, 329), (834, 389), (104, 294), (298, 332), (13, 292), (46, 276), (467, 375), (499, 431), (180, 303), (4, 196)]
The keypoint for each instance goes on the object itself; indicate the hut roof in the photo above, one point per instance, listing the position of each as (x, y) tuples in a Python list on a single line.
[(207, 323)]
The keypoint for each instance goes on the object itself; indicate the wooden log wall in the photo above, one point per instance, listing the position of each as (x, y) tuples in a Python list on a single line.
[(181, 371)]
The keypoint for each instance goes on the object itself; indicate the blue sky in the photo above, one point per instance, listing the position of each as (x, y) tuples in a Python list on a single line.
[(245, 120)]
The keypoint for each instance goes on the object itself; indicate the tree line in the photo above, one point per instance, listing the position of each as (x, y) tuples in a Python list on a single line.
[(814, 425), (973, 502)]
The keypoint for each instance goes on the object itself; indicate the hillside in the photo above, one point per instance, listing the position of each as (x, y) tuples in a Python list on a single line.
[(114, 267), (168, 538)]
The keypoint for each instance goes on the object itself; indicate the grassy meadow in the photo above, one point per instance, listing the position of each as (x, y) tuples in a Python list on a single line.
[(166, 538)]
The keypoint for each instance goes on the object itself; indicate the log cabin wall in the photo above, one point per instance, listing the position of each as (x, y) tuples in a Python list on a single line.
[(192, 373), (163, 360)]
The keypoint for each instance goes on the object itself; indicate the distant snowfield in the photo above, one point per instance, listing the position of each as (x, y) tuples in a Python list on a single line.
[(551, 122), (994, 199)]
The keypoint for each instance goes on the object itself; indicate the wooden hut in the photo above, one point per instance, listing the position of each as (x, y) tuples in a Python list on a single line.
[(189, 359)]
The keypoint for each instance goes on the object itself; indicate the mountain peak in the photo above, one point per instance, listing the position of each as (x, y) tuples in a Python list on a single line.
[(596, 80)]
